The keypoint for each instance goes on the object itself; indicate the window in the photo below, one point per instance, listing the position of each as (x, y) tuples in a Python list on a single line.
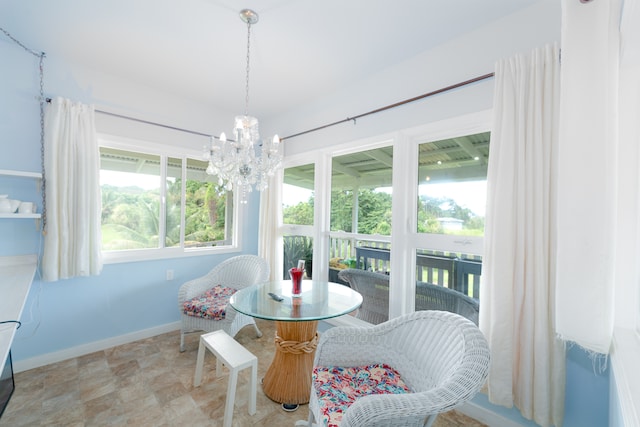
[(148, 209), (298, 217), (297, 195), (452, 187), (130, 185), (410, 205), (208, 209), (361, 192), (361, 207), (453, 270), (173, 191)]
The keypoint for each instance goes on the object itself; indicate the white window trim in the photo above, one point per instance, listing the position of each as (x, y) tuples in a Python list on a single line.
[(406, 241), (165, 151), (404, 238)]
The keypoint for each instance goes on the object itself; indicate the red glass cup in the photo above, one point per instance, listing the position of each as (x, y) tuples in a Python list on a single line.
[(296, 281)]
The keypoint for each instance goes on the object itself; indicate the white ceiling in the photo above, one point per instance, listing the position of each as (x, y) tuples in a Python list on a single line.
[(300, 49)]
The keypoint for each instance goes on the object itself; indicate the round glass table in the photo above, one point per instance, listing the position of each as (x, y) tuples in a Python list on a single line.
[(288, 378)]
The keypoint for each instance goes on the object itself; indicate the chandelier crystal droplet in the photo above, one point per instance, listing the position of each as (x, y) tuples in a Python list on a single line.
[(235, 162)]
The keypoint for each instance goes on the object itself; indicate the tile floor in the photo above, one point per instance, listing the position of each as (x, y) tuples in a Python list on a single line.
[(150, 383)]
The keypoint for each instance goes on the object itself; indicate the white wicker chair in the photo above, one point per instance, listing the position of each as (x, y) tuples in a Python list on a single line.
[(237, 272), (442, 357)]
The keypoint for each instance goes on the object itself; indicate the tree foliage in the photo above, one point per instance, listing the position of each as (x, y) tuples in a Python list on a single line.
[(301, 214), (374, 213), (131, 215), (430, 209)]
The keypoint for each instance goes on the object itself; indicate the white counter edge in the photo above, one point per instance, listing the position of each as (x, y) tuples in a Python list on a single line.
[(16, 276)]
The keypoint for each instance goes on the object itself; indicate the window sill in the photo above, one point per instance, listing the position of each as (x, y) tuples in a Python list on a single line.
[(137, 255), (624, 361)]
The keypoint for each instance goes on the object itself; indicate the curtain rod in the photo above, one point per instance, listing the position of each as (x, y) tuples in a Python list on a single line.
[(348, 119), (148, 122), (394, 105), (193, 132)]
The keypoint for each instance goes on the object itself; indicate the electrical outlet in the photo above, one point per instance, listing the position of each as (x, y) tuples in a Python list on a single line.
[(169, 274)]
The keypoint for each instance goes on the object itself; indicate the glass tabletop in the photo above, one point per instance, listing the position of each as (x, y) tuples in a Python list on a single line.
[(319, 300)]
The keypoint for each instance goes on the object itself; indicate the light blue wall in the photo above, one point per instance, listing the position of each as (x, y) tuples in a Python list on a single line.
[(134, 296), (586, 399), (126, 297)]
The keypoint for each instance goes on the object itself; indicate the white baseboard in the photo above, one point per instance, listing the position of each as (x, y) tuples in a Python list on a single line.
[(69, 353)]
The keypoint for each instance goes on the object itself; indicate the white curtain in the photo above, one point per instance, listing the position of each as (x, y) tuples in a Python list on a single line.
[(269, 240), (628, 290), (587, 179), (518, 273), (73, 202)]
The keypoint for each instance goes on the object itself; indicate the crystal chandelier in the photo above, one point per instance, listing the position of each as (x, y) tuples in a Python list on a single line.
[(235, 162)]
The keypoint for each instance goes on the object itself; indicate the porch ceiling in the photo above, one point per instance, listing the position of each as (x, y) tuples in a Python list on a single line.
[(462, 158)]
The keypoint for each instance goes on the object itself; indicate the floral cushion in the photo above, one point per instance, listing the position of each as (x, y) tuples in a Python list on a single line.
[(338, 387), (210, 305)]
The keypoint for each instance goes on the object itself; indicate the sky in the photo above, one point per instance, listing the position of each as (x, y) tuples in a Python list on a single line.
[(126, 179)]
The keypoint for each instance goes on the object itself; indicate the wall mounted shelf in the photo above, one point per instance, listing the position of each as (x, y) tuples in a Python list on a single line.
[(20, 215), (8, 172), (22, 174)]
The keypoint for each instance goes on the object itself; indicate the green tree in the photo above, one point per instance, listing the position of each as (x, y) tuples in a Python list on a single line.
[(341, 208), (374, 212), (301, 214), (432, 208), (131, 215)]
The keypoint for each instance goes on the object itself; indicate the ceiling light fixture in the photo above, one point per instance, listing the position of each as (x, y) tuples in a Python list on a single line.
[(235, 162)]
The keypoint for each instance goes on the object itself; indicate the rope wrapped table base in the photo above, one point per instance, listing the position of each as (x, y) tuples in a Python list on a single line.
[(288, 379), (296, 347)]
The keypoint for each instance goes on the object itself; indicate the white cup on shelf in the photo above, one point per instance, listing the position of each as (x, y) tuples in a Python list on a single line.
[(5, 204), (26, 208)]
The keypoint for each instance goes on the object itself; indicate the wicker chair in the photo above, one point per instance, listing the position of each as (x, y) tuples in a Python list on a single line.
[(434, 297), (237, 272), (442, 357), (374, 288)]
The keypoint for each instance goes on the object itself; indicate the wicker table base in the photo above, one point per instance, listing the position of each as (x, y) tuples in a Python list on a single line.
[(288, 379)]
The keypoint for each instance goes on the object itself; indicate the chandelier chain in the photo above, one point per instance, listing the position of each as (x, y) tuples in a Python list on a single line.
[(246, 161), (246, 97), (44, 180), (16, 41)]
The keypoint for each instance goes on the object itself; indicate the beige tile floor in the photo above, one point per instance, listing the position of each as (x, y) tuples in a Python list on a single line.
[(150, 383)]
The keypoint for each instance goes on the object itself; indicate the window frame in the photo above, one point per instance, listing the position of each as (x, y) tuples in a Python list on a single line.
[(165, 151), (405, 239), (303, 230)]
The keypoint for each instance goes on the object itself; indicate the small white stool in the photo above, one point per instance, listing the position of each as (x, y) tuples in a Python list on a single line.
[(235, 357)]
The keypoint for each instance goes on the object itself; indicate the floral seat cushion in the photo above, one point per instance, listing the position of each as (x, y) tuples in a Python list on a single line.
[(338, 387), (210, 305)]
